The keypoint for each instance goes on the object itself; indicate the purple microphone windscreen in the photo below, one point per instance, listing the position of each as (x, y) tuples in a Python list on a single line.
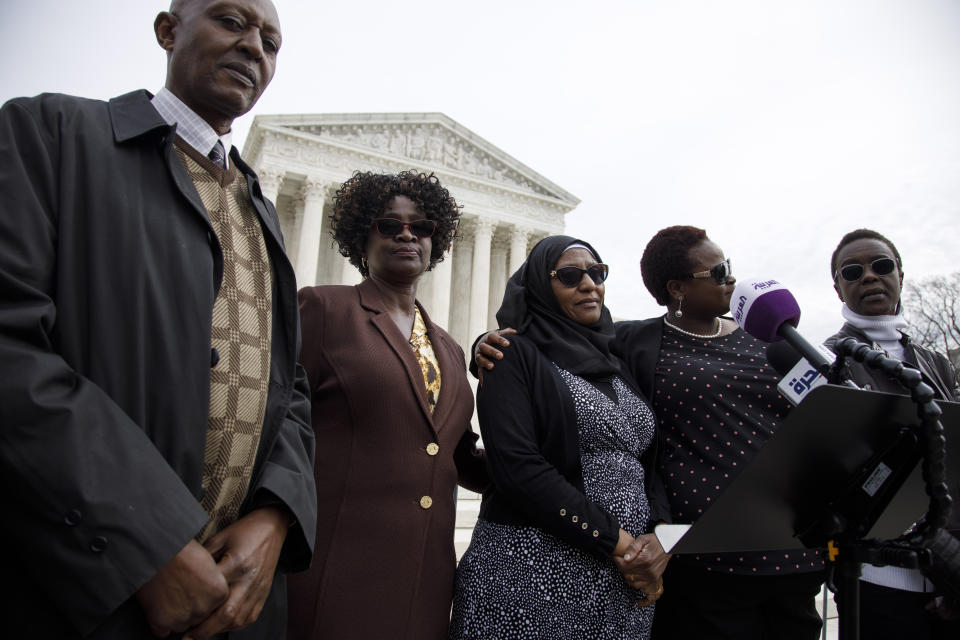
[(761, 306)]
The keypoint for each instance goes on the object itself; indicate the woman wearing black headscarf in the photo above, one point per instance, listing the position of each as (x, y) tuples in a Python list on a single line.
[(562, 547)]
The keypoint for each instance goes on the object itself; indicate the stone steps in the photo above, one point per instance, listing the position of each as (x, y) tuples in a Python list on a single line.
[(468, 508)]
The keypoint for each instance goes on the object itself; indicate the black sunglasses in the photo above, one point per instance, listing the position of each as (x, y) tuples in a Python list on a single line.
[(853, 272), (721, 272), (570, 276), (391, 227)]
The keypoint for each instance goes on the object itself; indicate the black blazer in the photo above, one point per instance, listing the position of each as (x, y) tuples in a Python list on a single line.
[(529, 427), (638, 345)]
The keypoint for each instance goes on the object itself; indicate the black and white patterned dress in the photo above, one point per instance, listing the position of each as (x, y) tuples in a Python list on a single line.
[(520, 583)]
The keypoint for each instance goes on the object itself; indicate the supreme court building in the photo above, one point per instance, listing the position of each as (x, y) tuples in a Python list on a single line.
[(303, 159)]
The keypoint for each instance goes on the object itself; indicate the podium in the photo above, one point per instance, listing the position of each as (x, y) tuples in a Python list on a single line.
[(843, 465)]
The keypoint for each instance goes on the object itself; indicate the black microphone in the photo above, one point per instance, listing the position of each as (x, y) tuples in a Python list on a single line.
[(782, 357), (798, 376)]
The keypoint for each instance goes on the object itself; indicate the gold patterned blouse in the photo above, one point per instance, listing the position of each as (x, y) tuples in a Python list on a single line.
[(429, 366)]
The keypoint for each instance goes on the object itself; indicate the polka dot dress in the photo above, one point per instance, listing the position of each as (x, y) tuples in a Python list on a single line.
[(521, 583), (717, 403)]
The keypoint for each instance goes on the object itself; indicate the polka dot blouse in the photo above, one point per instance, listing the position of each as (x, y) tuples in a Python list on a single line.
[(717, 403)]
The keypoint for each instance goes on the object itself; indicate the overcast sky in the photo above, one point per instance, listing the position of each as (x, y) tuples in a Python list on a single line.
[(777, 126)]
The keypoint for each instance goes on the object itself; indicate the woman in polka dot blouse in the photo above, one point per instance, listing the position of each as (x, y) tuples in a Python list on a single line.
[(716, 402), (562, 548)]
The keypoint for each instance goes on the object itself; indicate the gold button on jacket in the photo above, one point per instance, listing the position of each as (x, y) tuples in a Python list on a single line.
[(426, 502), (433, 448)]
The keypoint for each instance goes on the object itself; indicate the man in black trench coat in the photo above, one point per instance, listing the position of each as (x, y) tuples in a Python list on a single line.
[(122, 361)]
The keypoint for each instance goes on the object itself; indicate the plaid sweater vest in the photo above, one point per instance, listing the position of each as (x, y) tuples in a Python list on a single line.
[(241, 334)]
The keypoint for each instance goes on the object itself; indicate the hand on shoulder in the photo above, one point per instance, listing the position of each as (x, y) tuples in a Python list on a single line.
[(488, 349)]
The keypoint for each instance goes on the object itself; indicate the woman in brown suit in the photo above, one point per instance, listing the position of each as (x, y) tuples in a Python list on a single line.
[(391, 412)]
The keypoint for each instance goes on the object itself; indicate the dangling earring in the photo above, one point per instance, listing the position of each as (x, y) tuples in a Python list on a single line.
[(678, 312), (363, 261)]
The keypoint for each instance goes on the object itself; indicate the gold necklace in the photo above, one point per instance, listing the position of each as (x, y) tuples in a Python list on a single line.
[(691, 333)]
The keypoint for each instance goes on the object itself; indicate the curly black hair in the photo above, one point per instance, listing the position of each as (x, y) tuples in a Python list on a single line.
[(366, 195), (860, 234), (666, 257)]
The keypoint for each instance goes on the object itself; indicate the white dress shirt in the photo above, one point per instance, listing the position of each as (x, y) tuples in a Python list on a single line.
[(192, 128)]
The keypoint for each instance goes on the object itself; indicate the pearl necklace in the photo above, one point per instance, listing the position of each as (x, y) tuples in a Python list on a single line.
[(691, 333)]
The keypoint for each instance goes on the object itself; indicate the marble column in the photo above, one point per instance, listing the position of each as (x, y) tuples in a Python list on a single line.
[(518, 248), (498, 278), (425, 292), (536, 237), (330, 264), (308, 251), (294, 222), (480, 277), (442, 276), (270, 182), (460, 261), (350, 274)]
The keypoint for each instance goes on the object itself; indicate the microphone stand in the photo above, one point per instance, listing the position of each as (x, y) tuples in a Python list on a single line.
[(845, 548)]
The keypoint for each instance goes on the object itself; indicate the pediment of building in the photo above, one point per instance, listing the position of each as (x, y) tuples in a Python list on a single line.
[(429, 141)]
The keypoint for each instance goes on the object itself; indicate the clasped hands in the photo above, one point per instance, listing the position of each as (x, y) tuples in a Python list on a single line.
[(220, 585), (641, 560)]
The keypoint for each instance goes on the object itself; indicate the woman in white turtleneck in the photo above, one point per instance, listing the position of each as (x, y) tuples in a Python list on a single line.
[(867, 273)]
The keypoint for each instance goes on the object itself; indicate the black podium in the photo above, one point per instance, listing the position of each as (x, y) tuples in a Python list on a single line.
[(841, 451)]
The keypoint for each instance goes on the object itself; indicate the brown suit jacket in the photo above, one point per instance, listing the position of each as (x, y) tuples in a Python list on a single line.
[(384, 559)]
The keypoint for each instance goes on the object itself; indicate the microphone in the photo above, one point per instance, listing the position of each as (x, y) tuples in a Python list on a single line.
[(798, 377), (768, 311)]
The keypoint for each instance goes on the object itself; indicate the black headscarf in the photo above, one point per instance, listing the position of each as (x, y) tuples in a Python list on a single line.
[(530, 307)]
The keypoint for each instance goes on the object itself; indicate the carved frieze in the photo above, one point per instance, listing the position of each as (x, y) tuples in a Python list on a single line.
[(429, 144), (311, 159)]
